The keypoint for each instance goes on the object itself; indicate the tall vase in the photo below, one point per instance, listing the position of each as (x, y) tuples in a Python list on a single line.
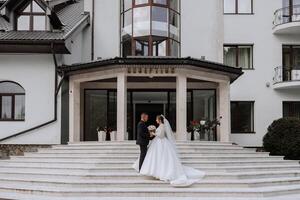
[(113, 136), (101, 136), (188, 136)]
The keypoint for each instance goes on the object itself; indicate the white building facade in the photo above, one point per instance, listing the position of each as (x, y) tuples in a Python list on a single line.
[(168, 54)]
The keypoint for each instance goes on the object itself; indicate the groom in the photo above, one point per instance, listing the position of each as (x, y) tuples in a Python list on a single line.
[(143, 137)]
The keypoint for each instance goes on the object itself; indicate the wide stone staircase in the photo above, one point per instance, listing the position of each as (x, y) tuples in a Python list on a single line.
[(93, 170)]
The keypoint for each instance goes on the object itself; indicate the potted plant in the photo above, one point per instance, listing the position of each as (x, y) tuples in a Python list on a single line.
[(192, 128)]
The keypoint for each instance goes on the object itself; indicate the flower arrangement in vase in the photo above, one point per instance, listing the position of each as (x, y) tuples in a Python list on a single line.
[(104, 131), (203, 126)]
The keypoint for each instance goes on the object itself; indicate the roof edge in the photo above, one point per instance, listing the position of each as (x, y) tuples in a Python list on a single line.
[(236, 72)]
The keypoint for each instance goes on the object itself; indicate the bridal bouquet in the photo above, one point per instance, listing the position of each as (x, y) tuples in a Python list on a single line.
[(152, 128)]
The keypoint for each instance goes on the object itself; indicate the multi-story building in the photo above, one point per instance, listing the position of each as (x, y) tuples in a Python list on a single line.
[(69, 68)]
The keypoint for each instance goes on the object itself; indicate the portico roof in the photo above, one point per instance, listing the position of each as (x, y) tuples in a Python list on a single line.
[(232, 72)]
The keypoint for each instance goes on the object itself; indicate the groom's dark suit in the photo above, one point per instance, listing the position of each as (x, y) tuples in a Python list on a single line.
[(143, 137)]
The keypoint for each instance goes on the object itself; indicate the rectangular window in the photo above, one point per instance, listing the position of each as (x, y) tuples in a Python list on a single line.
[(291, 109), (238, 6), (242, 117), (238, 56), (12, 107), (290, 62)]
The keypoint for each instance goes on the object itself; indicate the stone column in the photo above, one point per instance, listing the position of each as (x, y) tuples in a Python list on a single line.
[(181, 107), (74, 106), (223, 107), (121, 106)]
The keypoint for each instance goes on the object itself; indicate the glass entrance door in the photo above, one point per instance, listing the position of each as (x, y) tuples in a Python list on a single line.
[(100, 112), (151, 109), (201, 105), (152, 102)]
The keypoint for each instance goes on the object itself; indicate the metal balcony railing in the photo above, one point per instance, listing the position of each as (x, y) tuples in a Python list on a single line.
[(286, 74), (286, 15)]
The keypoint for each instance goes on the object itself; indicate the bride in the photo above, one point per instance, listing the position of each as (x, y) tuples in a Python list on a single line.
[(162, 160)]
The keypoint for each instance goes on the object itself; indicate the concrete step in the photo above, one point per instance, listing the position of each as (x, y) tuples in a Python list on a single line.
[(136, 154), (150, 192), (137, 147), (133, 159), (77, 169), (133, 175), (134, 151), (136, 183), (126, 162), (180, 145), (133, 142)]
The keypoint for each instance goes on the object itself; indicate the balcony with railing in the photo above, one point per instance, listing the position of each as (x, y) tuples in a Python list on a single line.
[(287, 78), (287, 20)]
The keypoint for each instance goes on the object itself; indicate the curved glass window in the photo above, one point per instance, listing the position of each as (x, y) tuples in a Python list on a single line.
[(12, 101), (150, 28)]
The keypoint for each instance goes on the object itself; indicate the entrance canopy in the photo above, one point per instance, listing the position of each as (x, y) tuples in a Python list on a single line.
[(154, 62), (113, 92)]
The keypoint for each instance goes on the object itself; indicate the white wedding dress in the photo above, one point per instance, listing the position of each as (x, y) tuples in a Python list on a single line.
[(163, 162)]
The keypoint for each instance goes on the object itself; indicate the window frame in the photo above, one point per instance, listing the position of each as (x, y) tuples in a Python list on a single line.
[(237, 54), (13, 95), (252, 118), (31, 15), (13, 105), (288, 102), (237, 9)]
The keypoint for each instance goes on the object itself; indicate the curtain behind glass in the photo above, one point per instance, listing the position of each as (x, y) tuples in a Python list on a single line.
[(245, 57), (6, 107), (19, 107), (230, 56)]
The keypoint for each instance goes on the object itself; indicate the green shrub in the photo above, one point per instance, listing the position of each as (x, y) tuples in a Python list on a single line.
[(283, 138)]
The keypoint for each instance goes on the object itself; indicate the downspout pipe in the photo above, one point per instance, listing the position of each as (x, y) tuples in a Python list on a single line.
[(56, 92), (93, 31)]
